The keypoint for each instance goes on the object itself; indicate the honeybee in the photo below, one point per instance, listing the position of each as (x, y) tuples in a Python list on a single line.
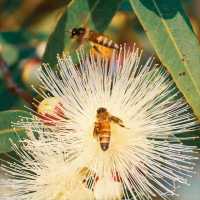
[(85, 34), (102, 128)]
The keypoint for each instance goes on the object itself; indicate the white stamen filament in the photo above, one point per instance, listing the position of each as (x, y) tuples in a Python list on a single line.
[(147, 156)]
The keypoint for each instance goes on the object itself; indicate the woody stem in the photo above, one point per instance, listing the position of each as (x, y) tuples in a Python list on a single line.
[(12, 85)]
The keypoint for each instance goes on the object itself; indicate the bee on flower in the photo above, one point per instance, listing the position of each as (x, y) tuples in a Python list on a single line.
[(116, 137)]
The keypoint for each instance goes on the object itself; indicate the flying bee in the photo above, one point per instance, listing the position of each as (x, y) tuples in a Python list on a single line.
[(102, 128), (85, 34)]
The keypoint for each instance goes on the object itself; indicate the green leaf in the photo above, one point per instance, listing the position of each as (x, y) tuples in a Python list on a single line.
[(7, 132), (170, 32), (95, 14)]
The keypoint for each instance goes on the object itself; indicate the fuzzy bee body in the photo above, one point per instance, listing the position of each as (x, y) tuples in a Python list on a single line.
[(85, 34), (102, 129), (102, 40)]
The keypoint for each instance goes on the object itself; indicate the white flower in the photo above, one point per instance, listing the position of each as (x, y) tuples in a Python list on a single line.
[(44, 173), (107, 188), (144, 157)]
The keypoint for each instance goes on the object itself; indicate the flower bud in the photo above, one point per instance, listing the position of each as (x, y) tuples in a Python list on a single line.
[(50, 110), (30, 71), (41, 49)]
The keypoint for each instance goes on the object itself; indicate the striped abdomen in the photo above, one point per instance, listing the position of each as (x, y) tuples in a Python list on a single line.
[(104, 134), (102, 40)]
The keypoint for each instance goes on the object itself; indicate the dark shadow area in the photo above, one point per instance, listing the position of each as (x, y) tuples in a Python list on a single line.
[(166, 9)]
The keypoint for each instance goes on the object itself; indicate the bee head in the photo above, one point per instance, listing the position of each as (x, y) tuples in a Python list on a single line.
[(102, 113), (77, 32), (101, 110)]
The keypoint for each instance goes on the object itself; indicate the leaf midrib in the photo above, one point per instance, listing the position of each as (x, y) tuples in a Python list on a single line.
[(176, 47)]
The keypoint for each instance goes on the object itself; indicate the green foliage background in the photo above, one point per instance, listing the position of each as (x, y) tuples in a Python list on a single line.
[(168, 29)]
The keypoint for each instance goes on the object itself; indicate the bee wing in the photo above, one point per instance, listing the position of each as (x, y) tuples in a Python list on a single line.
[(75, 44), (117, 121)]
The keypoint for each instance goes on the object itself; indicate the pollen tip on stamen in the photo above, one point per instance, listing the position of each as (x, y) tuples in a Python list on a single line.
[(130, 91)]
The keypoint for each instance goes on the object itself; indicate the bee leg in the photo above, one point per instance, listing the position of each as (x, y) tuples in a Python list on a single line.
[(117, 121)]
